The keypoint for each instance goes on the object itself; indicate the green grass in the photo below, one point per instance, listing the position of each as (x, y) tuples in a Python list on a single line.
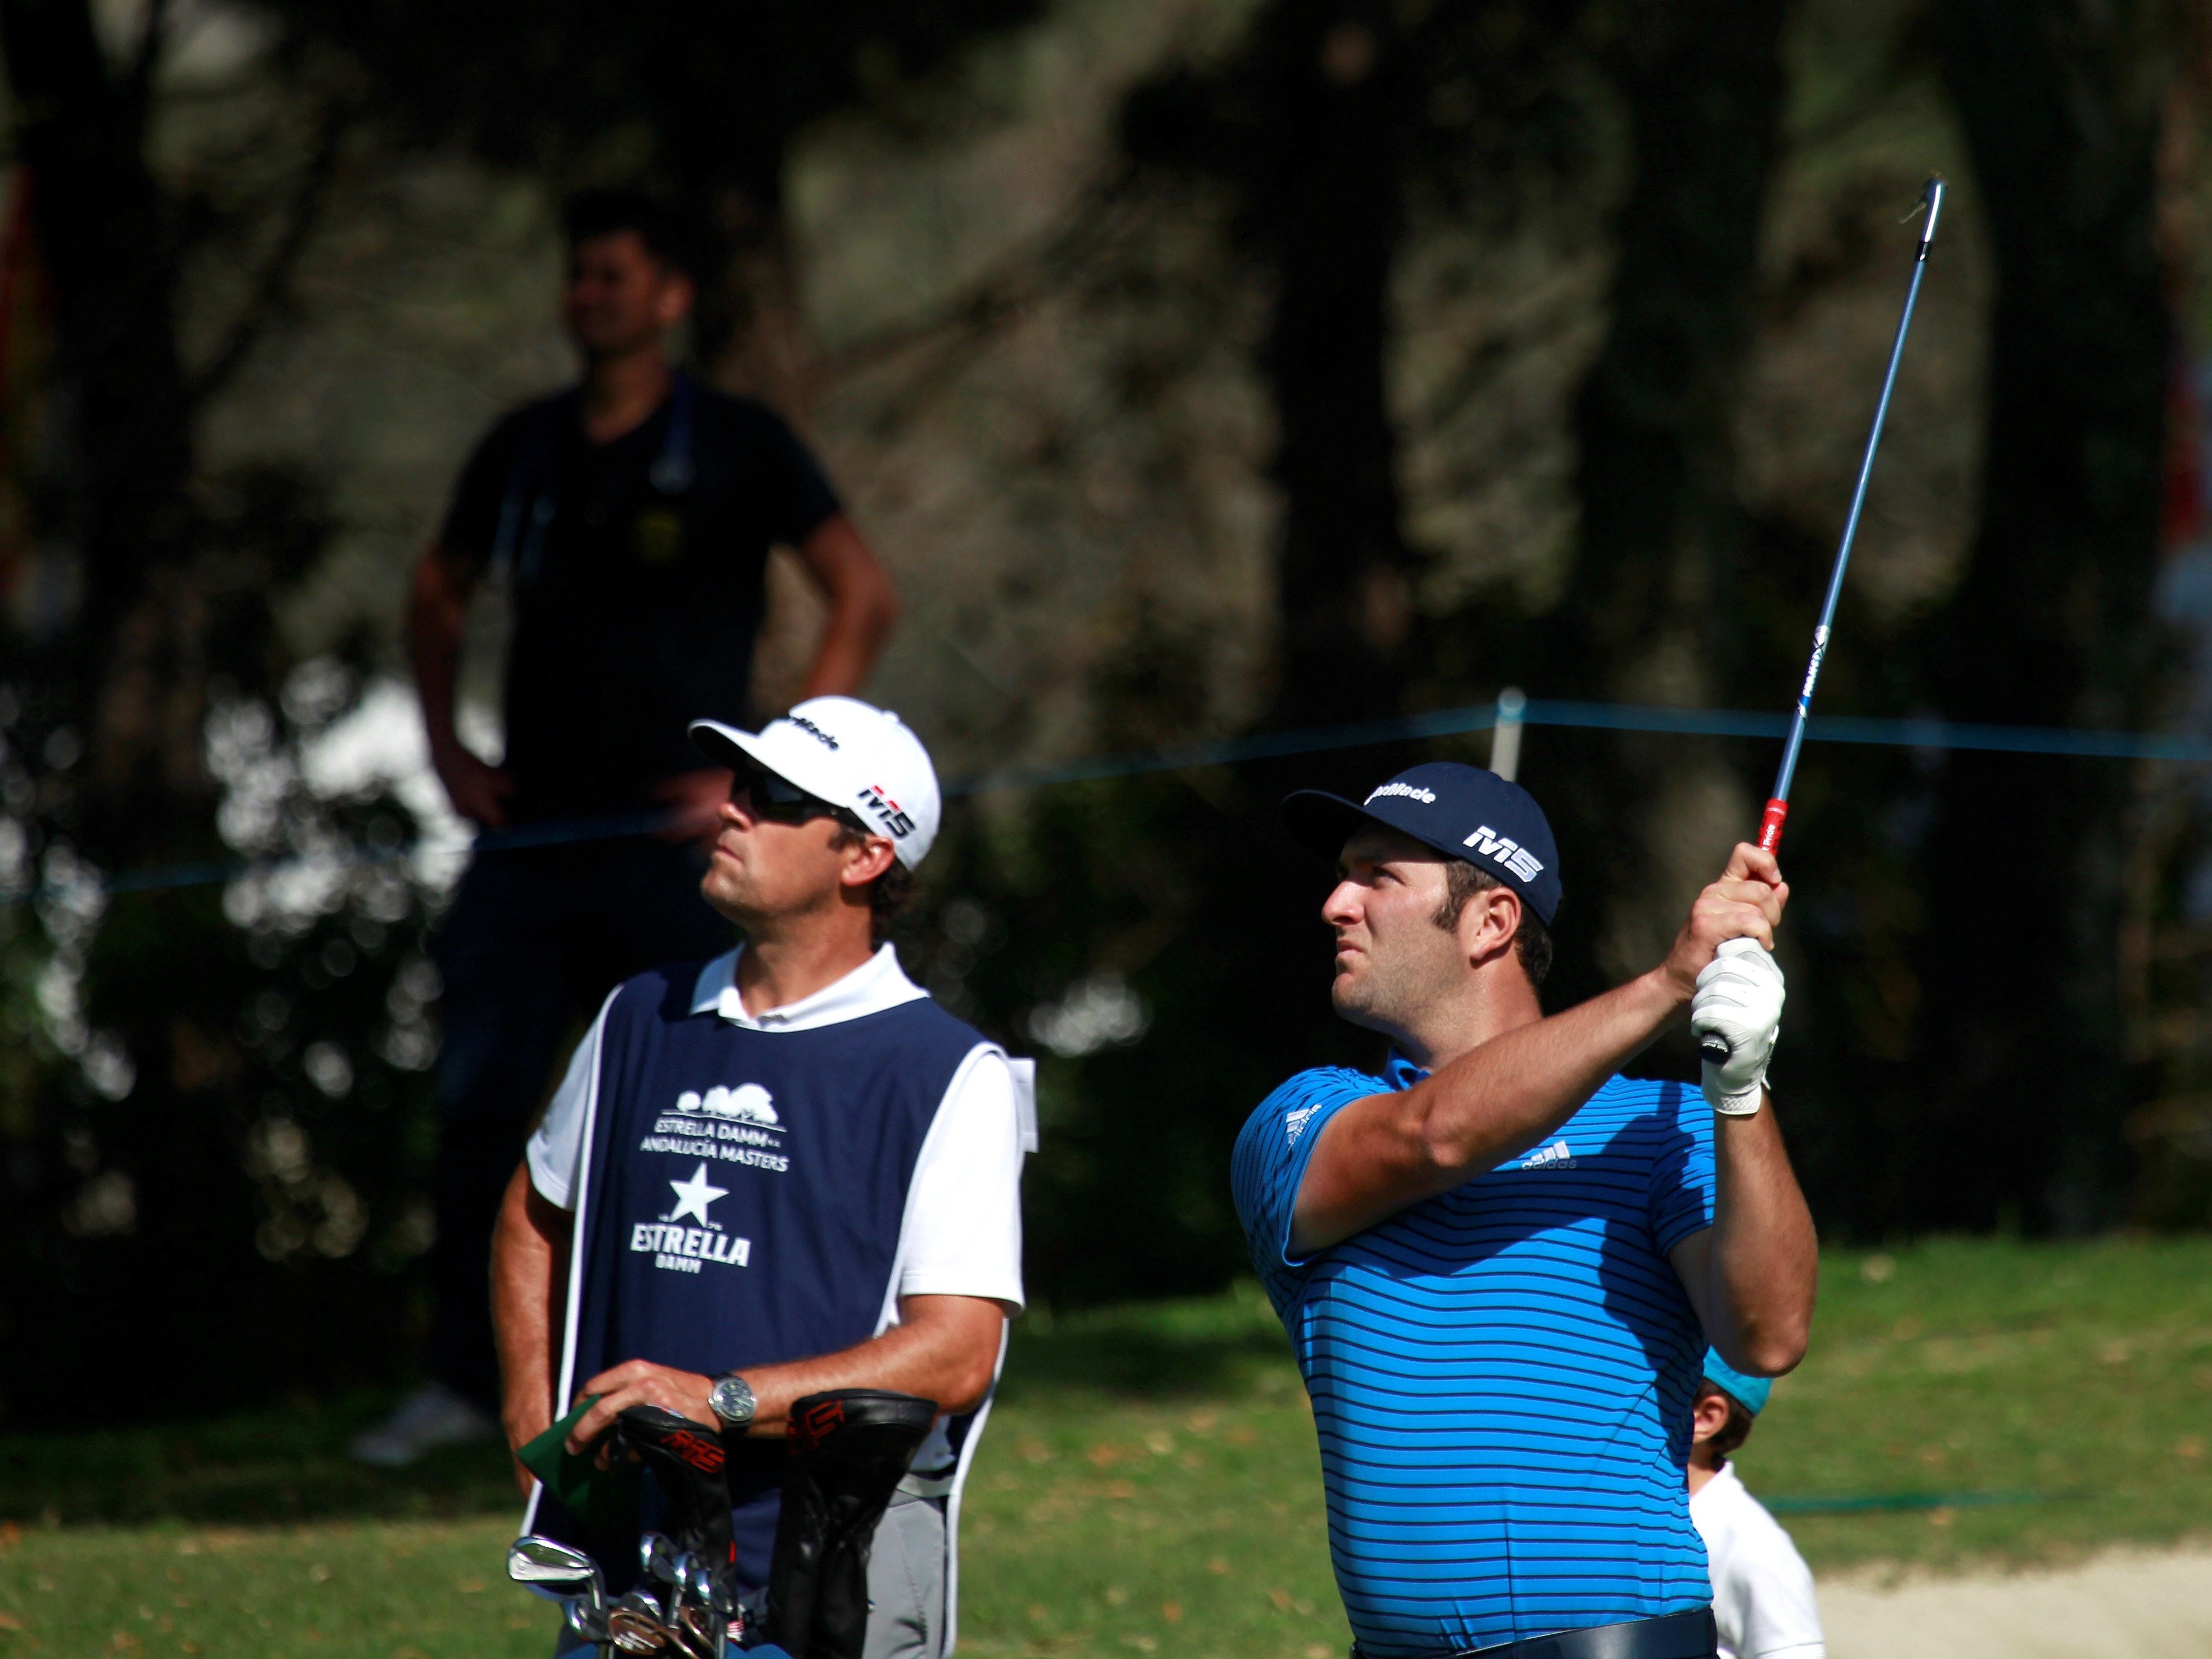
[(2078, 1377), (1148, 1482), (393, 1590)]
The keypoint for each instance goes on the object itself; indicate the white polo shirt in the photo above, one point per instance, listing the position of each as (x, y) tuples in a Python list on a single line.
[(963, 1229), (1762, 1589)]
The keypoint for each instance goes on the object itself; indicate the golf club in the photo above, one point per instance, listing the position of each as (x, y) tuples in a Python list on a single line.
[(531, 1560), (588, 1621), (634, 1625), (699, 1581), (700, 1630), (679, 1576), (1777, 807), (658, 1556)]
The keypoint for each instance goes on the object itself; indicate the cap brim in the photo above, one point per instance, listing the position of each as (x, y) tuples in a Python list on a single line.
[(726, 746), (1321, 823)]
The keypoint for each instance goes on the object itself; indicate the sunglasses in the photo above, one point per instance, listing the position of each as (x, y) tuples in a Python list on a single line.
[(779, 800)]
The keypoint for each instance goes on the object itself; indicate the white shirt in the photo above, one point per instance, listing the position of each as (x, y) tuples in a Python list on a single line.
[(962, 1234), (1762, 1589)]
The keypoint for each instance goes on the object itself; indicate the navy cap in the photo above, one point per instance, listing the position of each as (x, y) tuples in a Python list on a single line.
[(1462, 811)]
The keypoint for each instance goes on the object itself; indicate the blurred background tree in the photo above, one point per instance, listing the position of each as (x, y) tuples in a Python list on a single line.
[(2051, 622), (1202, 368)]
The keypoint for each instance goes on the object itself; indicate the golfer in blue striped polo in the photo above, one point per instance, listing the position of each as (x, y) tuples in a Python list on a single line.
[(1498, 1262)]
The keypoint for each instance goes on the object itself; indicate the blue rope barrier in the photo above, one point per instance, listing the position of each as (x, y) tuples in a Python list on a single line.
[(1933, 735)]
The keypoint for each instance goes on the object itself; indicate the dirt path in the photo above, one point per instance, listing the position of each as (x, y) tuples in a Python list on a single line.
[(2123, 1605)]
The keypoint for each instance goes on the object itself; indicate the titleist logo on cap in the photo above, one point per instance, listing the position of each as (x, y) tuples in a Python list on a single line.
[(811, 729)]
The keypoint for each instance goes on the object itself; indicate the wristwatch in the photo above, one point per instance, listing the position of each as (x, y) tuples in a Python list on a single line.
[(731, 1397)]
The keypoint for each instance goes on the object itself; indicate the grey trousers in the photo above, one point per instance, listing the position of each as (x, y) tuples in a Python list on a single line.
[(906, 1585), (906, 1581)]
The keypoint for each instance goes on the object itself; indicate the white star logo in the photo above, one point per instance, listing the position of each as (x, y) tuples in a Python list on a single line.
[(693, 1196)]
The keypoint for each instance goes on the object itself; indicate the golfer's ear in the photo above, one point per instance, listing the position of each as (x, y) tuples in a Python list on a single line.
[(1708, 1417), (867, 861), (1489, 920)]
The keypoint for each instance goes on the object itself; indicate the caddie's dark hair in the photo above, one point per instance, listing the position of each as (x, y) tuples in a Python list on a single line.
[(590, 213), (1734, 1432), (1532, 940), (889, 894)]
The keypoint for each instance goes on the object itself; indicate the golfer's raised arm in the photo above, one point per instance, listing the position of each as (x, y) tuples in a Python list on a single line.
[(1751, 1274), (1381, 1154)]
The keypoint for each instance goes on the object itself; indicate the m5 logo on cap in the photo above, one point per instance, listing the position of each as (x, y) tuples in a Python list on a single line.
[(1508, 852), (887, 811)]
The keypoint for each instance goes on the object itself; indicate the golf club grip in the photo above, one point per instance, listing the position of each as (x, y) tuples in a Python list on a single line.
[(1770, 825)]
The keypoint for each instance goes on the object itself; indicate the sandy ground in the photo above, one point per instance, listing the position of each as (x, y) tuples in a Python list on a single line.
[(2123, 1605)]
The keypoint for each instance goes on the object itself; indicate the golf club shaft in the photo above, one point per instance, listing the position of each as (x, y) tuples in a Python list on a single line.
[(1778, 806)]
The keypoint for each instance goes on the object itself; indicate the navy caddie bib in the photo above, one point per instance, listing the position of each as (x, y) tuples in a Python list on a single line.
[(745, 1192)]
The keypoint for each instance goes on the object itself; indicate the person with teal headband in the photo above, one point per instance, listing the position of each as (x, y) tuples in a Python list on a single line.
[(1749, 1392), (1763, 1602)]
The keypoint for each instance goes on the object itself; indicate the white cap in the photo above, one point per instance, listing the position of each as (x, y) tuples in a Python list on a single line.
[(849, 753)]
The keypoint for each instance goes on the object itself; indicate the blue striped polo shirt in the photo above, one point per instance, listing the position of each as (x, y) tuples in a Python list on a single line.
[(1501, 1376)]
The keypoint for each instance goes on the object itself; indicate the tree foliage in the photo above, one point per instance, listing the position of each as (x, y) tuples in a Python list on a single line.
[(217, 1109)]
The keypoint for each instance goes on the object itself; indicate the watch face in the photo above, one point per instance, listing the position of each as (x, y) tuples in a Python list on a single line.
[(733, 1401)]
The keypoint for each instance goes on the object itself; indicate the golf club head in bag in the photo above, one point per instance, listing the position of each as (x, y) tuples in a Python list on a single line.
[(846, 1450), (555, 1566), (634, 1625), (687, 1463)]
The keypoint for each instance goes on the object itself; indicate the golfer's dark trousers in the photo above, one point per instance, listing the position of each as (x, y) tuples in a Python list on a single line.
[(536, 939), (1689, 1635)]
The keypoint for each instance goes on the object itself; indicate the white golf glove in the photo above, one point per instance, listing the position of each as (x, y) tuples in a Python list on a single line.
[(1735, 1016)]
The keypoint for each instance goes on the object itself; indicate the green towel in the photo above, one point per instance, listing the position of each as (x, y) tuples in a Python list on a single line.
[(605, 1500)]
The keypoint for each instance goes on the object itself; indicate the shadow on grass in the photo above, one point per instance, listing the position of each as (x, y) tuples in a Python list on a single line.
[(286, 1464), (283, 1465)]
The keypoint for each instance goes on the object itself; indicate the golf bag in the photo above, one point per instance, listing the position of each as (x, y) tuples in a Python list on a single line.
[(846, 1452)]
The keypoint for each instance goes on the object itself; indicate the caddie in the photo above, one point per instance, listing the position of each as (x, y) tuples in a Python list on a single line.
[(1498, 1260), (780, 1172), (1763, 1598)]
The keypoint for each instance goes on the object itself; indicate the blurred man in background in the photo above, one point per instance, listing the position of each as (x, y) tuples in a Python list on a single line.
[(632, 516), (1762, 1589)]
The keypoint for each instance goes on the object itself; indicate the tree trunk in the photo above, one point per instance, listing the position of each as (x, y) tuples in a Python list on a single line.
[(748, 335), (1330, 210), (1646, 616), (106, 242), (2051, 624)]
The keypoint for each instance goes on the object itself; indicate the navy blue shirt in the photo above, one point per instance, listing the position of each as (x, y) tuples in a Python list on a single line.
[(1501, 1376), (638, 600)]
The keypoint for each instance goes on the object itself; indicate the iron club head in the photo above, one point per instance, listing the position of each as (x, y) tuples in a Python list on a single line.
[(531, 1560), (699, 1581), (634, 1625), (588, 1621), (657, 1557)]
